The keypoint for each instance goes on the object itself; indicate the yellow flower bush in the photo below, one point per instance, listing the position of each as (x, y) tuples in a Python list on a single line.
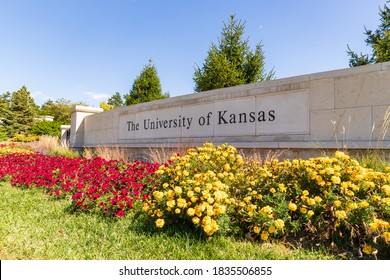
[(319, 198), (195, 188), (6, 149), (326, 199)]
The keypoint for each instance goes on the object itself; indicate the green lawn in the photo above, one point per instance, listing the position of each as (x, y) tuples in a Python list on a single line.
[(35, 226)]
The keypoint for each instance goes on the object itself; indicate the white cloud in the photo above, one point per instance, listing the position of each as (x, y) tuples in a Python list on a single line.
[(40, 97), (97, 95)]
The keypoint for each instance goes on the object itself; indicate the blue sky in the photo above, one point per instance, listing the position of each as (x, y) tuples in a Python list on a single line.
[(87, 50)]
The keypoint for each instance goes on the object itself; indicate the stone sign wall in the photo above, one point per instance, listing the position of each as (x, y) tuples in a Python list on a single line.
[(334, 109)]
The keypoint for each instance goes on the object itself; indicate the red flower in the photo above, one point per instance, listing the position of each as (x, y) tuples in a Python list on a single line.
[(120, 214)]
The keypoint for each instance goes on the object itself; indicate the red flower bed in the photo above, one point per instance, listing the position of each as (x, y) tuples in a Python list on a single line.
[(91, 184)]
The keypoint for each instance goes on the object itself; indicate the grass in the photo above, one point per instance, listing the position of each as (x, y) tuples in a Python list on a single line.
[(35, 226)]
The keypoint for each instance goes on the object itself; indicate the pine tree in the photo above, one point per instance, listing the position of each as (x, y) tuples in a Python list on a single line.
[(231, 62), (22, 112), (146, 87), (4, 113), (378, 40)]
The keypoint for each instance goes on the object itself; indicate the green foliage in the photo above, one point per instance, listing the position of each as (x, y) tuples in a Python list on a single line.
[(231, 62), (3, 134), (59, 109), (44, 127), (378, 40), (116, 101), (21, 113), (146, 87), (63, 152)]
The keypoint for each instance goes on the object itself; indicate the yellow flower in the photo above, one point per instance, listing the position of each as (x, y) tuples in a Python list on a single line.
[(190, 194), (352, 205), (292, 206), (266, 210), (197, 189), (159, 172), (386, 200), (158, 195), (279, 223), (349, 193), (195, 220), (337, 203), (341, 214), (191, 212), (386, 236), (311, 201), (310, 213), (264, 235), (185, 173), (317, 199), (181, 203), (335, 180), (368, 249), (303, 210), (178, 190), (305, 192), (160, 223), (329, 171), (171, 203), (256, 229), (177, 211), (282, 188), (272, 229), (363, 204), (272, 190), (145, 207)]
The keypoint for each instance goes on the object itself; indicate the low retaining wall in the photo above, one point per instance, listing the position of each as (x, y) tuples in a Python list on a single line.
[(345, 108)]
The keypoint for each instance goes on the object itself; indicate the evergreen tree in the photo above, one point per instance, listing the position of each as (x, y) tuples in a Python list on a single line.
[(22, 112), (146, 87), (5, 131), (231, 62), (378, 40), (116, 101)]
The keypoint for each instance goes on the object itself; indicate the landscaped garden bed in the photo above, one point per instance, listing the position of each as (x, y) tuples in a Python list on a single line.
[(212, 192)]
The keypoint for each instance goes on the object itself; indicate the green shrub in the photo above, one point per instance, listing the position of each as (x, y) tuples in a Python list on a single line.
[(43, 127)]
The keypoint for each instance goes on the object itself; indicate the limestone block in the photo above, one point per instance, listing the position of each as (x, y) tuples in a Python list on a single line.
[(285, 113), (341, 125), (322, 94), (381, 123), (353, 91)]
